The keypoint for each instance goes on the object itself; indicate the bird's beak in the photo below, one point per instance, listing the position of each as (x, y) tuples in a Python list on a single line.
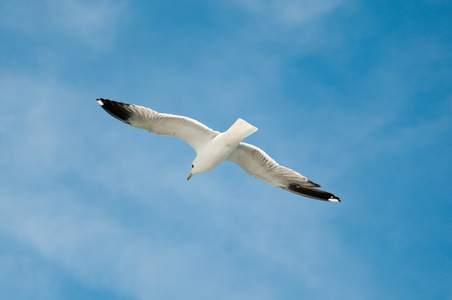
[(189, 176)]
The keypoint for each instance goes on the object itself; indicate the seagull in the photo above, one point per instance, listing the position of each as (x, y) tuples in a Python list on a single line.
[(213, 147)]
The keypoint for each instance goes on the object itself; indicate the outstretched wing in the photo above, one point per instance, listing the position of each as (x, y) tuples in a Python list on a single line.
[(191, 131), (255, 162)]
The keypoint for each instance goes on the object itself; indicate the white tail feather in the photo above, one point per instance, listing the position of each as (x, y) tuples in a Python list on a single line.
[(241, 129)]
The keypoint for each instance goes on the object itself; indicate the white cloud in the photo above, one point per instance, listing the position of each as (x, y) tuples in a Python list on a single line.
[(77, 226), (291, 12), (291, 26), (70, 175), (102, 252), (91, 22)]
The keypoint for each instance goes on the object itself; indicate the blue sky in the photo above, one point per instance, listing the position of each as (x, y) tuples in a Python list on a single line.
[(355, 95)]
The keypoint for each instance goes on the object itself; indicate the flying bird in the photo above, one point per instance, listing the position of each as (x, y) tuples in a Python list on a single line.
[(213, 147)]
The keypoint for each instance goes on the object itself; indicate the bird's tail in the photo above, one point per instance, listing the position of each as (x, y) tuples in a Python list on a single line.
[(241, 129)]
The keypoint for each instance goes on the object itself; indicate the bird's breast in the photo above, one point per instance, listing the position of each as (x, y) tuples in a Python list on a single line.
[(215, 152)]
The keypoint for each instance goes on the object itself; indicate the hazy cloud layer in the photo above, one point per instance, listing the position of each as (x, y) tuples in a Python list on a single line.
[(91, 208)]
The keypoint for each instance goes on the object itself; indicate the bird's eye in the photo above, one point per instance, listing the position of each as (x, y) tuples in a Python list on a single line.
[(192, 166)]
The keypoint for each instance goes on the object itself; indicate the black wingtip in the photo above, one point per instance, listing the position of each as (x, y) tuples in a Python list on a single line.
[(312, 193), (118, 110)]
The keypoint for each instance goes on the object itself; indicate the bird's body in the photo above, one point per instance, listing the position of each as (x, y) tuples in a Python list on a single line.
[(213, 147), (214, 152)]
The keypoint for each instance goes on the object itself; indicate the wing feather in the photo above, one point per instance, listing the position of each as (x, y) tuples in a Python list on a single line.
[(255, 162), (191, 131)]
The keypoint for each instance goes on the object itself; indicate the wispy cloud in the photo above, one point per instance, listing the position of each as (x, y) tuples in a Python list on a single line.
[(108, 207), (53, 149), (92, 23), (291, 12), (306, 25)]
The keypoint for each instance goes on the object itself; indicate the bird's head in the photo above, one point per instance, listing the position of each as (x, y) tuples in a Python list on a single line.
[(194, 169), (201, 164)]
